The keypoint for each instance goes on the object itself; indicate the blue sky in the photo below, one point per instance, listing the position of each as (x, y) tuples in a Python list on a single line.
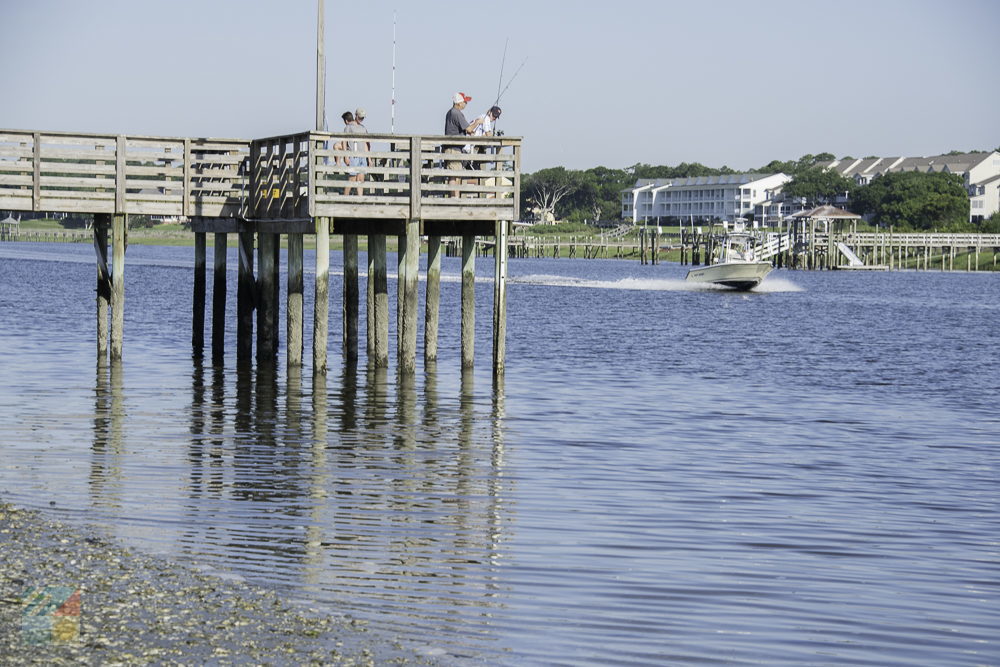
[(718, 82)]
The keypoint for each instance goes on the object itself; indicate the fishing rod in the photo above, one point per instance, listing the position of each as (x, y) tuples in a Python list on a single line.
[(392, 104), (518, 71), (500, 82), (502, 62)]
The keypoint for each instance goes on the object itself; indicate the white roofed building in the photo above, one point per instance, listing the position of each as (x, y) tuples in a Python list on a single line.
[(700, 198), (980, 172)]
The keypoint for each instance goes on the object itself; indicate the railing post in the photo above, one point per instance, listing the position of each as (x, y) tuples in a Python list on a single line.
[(120, 174)]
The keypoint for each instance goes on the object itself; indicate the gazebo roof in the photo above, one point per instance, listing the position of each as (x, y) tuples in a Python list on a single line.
[(827, 213)]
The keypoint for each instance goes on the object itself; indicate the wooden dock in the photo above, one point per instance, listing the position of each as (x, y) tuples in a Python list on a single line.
[(293, 185), (813, 249)]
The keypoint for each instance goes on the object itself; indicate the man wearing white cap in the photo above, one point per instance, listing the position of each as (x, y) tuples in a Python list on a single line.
[(455, 124)]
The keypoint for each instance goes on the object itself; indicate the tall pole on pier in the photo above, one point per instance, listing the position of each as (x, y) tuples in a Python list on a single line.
[(322, 224), (320, 69)]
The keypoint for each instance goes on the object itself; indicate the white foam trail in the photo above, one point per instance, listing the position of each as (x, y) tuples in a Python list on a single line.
[(770, 285)]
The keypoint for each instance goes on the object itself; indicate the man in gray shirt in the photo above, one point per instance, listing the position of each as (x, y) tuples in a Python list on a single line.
[(455, 124)]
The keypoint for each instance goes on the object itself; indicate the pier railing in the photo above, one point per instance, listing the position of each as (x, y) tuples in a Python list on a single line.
[(922, 240), (292, 177), (395, 176), (103, 173)]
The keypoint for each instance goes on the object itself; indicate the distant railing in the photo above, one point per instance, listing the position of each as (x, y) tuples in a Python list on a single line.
[(394, 176), (100, 173), (934, 240)]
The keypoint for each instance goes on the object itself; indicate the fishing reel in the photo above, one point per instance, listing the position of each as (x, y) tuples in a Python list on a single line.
[(498, 133)]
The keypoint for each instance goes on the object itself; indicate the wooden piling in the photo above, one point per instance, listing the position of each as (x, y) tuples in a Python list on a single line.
[(432, 299), (380, 357), (267, 306), (408, 305), (221, 243), (351, 297), (468, 300), (101, 223), (118, 231), (370, 302), (296, 294), (500, 258), (400, 273), (198, 297), (245, 297), (321, 303)]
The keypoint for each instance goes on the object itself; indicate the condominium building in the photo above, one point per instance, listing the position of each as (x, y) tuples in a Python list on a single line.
[(979, 171), (699, 199)]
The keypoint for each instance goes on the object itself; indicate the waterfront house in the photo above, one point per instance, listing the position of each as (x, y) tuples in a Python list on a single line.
[(725, 197)]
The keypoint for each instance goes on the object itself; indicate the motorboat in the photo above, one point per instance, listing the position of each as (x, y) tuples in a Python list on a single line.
[(736, 266)]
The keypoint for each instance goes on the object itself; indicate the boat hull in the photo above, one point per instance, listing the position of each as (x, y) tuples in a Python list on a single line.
[(737, 275)]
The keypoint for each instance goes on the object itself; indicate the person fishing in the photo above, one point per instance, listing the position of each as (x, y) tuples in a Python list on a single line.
[(486, 128), (455, 124)]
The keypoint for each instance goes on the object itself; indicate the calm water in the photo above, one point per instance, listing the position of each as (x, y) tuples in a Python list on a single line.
[(806, 475)]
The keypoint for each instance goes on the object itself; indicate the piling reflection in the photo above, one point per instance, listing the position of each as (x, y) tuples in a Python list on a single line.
[(380, 494), (105, 481)]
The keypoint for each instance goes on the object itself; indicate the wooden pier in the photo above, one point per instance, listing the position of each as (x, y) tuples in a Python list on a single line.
[(293, 185)]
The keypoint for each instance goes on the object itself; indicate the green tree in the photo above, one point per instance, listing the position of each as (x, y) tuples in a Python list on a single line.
[(818, 185), (990, 225), (683, 170), (911, 199), (546, 188)]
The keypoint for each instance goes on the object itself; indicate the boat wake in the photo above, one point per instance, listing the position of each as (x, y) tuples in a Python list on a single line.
[(770, 285)]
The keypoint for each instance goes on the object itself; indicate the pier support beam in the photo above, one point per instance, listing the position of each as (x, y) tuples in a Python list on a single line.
[(101, 223), (296, 291), (468, 300), (381, 300), (432, 300), (351, 296), (245, 297), (321, 304), (410, 265), (500, 298), (267, 304), (370, 301), (118, 231), (220, 244), (198, 297)]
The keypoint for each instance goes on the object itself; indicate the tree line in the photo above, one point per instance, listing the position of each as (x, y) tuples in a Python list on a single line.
[(904, 200)]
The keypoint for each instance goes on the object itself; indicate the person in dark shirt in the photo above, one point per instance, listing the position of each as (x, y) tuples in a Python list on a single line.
[(454, 125)]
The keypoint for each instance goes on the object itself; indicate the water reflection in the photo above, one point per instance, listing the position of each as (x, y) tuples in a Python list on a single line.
[(106, 453), (380, 494)]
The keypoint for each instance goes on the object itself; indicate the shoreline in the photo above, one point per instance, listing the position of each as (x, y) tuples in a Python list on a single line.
[(138, 609)]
